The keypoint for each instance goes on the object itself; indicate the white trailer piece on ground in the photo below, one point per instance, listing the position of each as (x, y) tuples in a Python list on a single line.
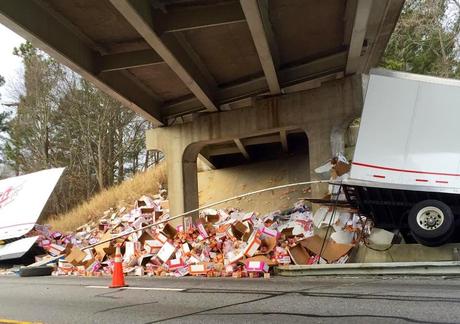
[(22, 200), (17, 248)]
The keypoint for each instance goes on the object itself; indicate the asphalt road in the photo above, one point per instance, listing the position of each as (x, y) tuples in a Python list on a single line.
[(198, 300)]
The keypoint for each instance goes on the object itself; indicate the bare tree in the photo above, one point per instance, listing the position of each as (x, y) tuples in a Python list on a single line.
[(63, 120)]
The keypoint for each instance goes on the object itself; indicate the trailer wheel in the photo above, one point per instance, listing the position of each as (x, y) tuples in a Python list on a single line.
[(436, 242), (431, 222)]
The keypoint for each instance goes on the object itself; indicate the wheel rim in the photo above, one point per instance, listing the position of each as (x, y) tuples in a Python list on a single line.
[(430, 218)]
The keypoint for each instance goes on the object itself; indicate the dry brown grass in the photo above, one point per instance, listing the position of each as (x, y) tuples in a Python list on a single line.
[(122, 195)]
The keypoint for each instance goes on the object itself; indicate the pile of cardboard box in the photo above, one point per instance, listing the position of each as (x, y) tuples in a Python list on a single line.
[(216, 243)]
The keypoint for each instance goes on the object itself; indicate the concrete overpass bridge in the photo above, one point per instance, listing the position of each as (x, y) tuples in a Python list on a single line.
[(219, 76)]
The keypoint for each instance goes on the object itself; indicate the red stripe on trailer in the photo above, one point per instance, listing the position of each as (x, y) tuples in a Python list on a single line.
[(421, 180), (441, 181), (403, 170), (379, 176)]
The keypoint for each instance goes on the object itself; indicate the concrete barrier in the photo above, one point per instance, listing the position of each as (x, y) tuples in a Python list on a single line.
[(406, 253), (387, 268), (400, 259)]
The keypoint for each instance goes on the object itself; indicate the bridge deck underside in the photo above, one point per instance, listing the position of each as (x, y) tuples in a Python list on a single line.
[(170, 59)]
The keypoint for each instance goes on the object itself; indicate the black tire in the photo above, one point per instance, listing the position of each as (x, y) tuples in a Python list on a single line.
[(434, 237), (434, 242), (35, 271)]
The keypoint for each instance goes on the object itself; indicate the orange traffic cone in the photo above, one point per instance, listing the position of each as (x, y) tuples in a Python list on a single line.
[(118, 278)]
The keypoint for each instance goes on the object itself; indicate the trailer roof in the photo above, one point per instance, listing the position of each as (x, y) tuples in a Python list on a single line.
[(415, 77)]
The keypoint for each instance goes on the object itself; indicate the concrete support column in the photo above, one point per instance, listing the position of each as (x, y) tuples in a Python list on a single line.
[(190, 181), (181, 162), (319, 152), (175, 179), (190, 177)]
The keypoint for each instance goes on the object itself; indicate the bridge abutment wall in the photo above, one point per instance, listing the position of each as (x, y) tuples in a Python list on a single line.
[(324, 113)]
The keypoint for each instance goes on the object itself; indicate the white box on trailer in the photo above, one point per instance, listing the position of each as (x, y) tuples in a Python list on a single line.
[(409, 132)]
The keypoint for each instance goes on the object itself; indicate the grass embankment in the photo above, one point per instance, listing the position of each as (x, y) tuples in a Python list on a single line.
[(122, 195)]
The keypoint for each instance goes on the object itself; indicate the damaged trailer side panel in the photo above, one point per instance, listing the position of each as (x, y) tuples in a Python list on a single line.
[(409, 131), (22, 200)]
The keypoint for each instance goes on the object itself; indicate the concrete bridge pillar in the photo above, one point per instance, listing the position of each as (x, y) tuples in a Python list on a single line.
[(319, 150), (323, 113)]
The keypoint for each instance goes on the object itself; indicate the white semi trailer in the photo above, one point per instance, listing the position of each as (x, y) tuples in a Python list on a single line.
[(406, 166)]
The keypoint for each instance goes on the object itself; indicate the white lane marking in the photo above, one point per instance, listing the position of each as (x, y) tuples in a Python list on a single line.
[(138, 288)]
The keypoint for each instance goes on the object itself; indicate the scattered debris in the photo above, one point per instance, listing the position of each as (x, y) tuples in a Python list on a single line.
[(218, 243)]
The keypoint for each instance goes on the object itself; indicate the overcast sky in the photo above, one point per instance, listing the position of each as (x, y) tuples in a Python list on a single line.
[(10, 65)]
